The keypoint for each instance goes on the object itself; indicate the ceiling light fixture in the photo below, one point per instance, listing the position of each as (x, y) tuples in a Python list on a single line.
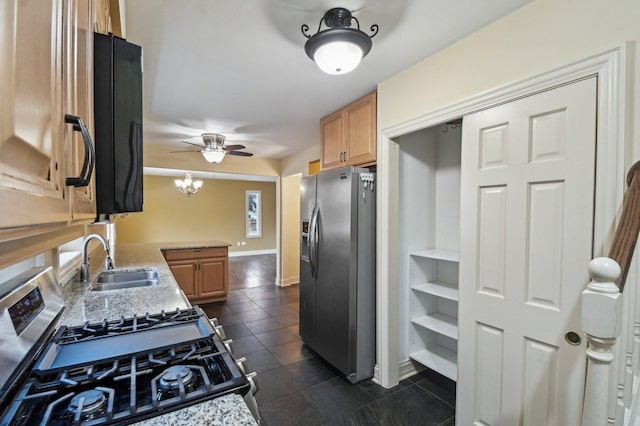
[(338, 49), (213, 151), (213, 156), (188, 186)]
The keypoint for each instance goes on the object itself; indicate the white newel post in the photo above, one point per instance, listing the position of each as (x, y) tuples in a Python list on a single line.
[(602, 322)]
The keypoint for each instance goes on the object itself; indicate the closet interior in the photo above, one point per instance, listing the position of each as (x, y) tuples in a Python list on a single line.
[(429, 235)]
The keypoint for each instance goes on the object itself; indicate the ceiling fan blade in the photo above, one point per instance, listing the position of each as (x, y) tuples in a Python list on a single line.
[(233, 147), (189, 150), (199, 145), (240, 153)]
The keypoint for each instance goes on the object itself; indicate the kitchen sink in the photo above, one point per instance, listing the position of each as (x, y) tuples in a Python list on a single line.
[(115, 280)]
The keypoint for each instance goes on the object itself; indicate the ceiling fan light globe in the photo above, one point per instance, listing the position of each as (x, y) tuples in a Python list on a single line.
[(338, 57), (213, 156)]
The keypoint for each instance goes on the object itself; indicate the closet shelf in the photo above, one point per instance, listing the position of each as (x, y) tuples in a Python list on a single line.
[(438, 358), (439, 289), (440, 323), (437, 254)]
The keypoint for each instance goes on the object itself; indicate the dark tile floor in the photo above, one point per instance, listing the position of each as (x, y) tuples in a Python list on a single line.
[(298, 387)]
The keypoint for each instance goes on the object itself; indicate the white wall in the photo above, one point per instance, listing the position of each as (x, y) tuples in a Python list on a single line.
[(299, 162), (541, 36)]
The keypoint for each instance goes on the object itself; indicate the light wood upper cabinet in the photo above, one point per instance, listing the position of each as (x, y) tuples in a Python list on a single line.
[(332, 128), (349, 135), (31, 126), (101, 16), (78, 98), (46, 72)]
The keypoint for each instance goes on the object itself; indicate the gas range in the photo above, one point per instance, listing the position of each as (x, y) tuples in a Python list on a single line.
[(111, 372)]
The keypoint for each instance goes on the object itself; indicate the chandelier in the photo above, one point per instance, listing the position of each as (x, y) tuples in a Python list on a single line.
[(187, 185), (339, 48)]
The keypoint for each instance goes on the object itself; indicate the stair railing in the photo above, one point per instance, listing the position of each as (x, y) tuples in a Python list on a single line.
[(602, 316)]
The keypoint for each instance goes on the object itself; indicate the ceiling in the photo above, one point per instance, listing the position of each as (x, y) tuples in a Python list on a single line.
[(239, 68)]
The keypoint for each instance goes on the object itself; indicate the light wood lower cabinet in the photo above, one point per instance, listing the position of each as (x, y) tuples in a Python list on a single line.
[(202, 274)]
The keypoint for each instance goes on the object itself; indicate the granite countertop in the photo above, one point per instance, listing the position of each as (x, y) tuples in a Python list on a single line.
[(92, 306), (221, 411), (83, 305)]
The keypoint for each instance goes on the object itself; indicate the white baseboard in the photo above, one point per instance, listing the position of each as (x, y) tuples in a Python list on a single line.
[(408, 368), (251, 252), (376, 374)]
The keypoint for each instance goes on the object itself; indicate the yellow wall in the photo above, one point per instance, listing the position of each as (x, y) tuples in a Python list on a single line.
[(290, 228), (217, 212), (539, 37)]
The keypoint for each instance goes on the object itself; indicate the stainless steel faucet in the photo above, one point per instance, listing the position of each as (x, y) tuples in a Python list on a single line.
[(84, 269)]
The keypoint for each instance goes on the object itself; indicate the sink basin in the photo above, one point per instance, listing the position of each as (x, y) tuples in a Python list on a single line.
[(115, 280)]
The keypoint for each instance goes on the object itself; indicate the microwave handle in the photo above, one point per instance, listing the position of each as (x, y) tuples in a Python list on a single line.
[(89, 153)]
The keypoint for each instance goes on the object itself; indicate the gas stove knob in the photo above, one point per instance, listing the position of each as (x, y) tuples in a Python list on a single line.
[(229, 345), (220, 332), (253, 380), (218, 328), (242, 364)]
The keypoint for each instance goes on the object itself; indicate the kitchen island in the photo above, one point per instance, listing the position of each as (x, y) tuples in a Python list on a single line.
[(83, 305)]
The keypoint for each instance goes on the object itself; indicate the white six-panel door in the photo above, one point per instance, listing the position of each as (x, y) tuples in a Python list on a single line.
[(527, 201)]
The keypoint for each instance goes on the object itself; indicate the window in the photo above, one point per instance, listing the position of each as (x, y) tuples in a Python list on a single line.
[(254, 214)]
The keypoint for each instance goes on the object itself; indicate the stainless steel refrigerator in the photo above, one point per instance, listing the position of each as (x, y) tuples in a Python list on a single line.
[(337, 268)]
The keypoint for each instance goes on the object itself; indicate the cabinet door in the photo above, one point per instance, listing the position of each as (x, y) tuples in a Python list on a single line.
[(185, 273), (31, 125), (78, 97), (360, 118), (213, 278), (332, 128), (101, 16)]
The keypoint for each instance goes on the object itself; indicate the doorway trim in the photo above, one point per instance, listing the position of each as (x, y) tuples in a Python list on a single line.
[(610, 68)]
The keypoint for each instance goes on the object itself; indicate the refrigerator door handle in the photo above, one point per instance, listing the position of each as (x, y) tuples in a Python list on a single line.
[(313, 242)]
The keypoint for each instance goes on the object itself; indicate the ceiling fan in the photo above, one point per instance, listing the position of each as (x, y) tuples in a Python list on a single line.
[(214, 149)]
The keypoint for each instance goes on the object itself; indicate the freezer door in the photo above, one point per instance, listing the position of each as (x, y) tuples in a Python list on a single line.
[(335, 283), (307, 280)]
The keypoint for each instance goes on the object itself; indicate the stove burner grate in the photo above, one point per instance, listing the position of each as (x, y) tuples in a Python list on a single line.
[(179, 381), (88, 403), (132, 386), (172, 377)]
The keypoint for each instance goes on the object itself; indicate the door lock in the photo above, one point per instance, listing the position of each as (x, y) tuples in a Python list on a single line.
[(572, 338)]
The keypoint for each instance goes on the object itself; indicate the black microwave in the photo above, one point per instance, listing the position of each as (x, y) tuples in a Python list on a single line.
[(118, 124)]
